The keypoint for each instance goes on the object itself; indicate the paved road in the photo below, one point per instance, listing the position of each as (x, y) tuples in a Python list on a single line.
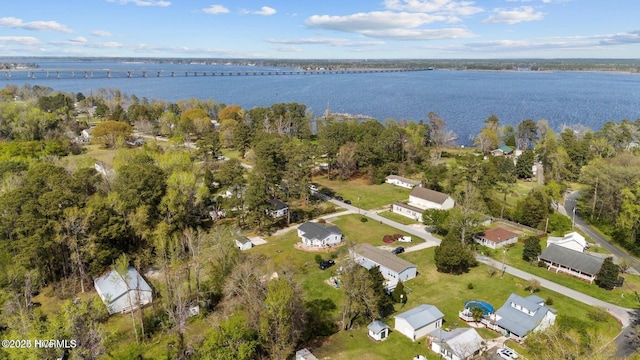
[(570, 206)]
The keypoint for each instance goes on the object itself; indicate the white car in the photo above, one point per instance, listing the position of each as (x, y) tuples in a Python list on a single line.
[(405, 239), (313, 188), (507, 354)]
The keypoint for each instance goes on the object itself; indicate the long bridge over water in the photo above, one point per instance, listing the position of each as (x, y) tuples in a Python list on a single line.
[(140, 73)]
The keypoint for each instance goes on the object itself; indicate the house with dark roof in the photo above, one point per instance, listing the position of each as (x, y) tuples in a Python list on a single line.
[(519, 316), (319, 235), (419, 321), (457, 344), (277, 208), (402, 181), (392, 268), (122, 293), (574, 263), (421, 199), (496, 237)]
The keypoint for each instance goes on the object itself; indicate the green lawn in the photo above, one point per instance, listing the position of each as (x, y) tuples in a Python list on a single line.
[(370, 232), (448, 293), (624, 296), (397, 218), (362, 194)]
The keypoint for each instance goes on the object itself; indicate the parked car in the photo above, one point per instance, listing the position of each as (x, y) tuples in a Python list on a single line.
[(313, 188), (507, 354), (325, 264), (398, 250), (347, 202), (339, 198), (405, 239)]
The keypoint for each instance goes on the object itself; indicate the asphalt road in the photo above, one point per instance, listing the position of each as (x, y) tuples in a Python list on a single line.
[(570, 206)]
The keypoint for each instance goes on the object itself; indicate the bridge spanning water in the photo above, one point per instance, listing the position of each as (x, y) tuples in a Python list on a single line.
[(107, 73)]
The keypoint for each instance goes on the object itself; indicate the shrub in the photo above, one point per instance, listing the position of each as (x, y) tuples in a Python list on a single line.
[(322, 221), (598, 314), (318, 258), (549, 301), (470, 286), (388, 239), (397, 236), (364, 219)]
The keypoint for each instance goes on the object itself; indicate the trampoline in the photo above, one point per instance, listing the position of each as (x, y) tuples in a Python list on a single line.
[(486, 308)]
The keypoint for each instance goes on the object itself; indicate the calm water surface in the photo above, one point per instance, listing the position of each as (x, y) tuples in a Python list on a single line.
[(463, 98)]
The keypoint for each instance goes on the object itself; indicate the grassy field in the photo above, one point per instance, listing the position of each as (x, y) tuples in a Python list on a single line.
[(364, 195), (623, 296), (448, 293), (397, 218), (370, 232)]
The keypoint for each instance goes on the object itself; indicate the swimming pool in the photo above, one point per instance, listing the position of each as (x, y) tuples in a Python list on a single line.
[(487, 309)]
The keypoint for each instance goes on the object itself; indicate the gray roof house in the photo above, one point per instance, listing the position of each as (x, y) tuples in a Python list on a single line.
[(419, 321), (277, 208), (392, 267), (318, 235), (123, 293), (518, 316), (402, 181), (457, 344), (574, 263)]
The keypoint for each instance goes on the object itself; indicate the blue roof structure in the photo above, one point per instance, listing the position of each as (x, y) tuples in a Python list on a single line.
[(520, 315), (421, 315)]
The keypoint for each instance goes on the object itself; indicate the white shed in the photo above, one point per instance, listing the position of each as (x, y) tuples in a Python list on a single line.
[(419, 321), (123, 293), (378, 330), (244, 243)]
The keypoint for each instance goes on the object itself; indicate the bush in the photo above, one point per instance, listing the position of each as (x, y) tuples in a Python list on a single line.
[(388, 239), (549, 301), (598, 314), (397, 236), (322, 221), (364, 219), (470, 286), (318, 259)]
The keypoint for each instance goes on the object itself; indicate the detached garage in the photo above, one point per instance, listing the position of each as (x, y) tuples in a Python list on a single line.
[(122, 294), (419, 321)]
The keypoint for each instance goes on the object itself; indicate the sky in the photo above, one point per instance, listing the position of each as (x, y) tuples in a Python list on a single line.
[(323, 29)]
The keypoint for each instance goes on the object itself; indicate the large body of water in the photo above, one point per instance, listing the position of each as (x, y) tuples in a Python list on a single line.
[(464, 99)]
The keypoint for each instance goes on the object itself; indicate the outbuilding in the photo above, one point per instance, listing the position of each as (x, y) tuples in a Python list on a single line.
[(378, 330), (123, 293), (419, 321)]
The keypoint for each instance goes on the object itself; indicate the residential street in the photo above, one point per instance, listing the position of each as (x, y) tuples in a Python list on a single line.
[(570, 206)]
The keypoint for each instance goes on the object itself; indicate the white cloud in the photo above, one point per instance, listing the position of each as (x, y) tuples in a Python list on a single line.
[(266, 11), (339, 42), (159, 3), (215, 9), (450, 7), (514, 16), (22, 40), (13, 22), (79, 39), (101, 33), (389, 25), (287, 49)]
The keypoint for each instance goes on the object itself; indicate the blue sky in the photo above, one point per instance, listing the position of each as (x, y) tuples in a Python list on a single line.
[(305, 29)]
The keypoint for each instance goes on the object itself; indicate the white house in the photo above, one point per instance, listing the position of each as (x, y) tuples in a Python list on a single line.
[(518, 316), (392, 268), (402, 181), (378, 330), (123, 293), (419, 321), (407, 210), (243, 243), (457, 344), (318, 235), (277, 208), (571, 262), (572, 240), (430, 199), (496, 237)]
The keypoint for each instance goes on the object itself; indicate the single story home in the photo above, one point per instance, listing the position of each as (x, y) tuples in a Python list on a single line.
[(496, 237), (572, 240), (419, 321), (277, 208), (457, 344), (319, 235), (503, 150), (243, 243), (402, 181), (123, 293), (574, 263), (305, 354), (392, 268), (407, 210), (430, 199), (519, 316), (378, 330)]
